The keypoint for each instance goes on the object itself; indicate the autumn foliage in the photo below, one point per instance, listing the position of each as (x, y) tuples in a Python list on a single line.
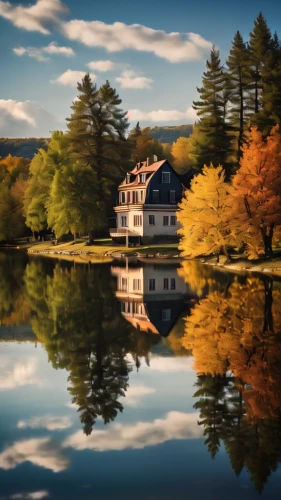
[(217, 215), (257, 191)]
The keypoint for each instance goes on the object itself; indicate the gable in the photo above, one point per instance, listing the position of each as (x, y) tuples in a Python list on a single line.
[(158, 182)]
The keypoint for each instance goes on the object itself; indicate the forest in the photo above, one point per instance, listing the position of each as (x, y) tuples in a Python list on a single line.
[(234, 150)]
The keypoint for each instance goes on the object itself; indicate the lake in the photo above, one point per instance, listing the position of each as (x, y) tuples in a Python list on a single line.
[(138, 379)]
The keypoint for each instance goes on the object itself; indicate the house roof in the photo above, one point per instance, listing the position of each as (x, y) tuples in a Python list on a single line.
[(150, 168)]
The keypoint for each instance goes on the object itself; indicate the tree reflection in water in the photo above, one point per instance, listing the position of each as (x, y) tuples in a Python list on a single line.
[(235, 336), (234, 333), (76, 316)]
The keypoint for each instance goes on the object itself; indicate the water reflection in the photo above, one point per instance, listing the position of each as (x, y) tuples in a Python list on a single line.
[(235, 337), (124, 334), (151, 296)]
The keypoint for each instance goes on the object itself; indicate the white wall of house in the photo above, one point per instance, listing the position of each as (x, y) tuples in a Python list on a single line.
[(158, 228)]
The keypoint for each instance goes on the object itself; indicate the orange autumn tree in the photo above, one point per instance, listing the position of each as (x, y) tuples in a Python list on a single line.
[(257, 192), (204, 214)]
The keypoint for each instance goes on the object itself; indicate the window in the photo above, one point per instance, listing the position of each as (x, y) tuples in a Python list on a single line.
[(151, 285), (166, 284), (137, 220), (142, 178), (124, 221), (173, 220), (172, 196), (136, 284), (166, 177), (155, 196), (151, 220), (173, 284), (141, 195), (166, 314), (165, 220), (128, 197), (123, 307), (128, 178), (123, 197)]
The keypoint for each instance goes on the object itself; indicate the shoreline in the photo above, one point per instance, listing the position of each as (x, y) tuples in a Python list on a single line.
[(102, 253)]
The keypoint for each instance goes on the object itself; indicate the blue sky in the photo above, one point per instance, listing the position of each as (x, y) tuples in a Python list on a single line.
[(47, 45)]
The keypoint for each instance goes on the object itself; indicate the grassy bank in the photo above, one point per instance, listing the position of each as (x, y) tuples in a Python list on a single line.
[(101, 250)]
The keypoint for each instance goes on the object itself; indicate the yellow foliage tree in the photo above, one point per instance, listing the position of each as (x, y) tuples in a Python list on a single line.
[(205, 214), (181, 150)]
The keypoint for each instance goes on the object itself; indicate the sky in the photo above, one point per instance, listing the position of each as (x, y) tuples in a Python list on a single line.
[(153, 52)]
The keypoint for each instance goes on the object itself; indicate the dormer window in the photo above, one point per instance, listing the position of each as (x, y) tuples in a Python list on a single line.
[(166, 177), (128, 179), (142, 178)]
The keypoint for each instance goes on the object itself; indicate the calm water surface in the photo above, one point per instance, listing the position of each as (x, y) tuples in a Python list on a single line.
[(129, 380)]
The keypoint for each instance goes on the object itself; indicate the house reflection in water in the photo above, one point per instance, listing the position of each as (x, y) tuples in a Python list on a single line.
[(151, 295)]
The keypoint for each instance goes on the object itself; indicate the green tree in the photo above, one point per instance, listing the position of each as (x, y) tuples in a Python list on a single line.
[(97, 137), (260, 45), (238, 64), (214, 145)]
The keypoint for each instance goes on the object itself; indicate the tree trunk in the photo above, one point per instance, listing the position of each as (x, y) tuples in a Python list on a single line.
[(268, 317), (228, 258), (267, 236), (91, 237), (74, 236)]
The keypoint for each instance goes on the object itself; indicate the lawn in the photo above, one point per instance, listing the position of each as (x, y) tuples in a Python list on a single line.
[(102, 247)]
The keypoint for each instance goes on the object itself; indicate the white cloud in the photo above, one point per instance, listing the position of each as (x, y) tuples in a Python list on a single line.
[(38, 52), (174, 47), (46, 422), (175, 425), (102, 65), (131, 80), (53, 48), (34, 495), (71, 78), (33, 52), (14, 374), (135, 393), (34, 17), (40, 452), (161, 115), (17, 110), (21, 119)]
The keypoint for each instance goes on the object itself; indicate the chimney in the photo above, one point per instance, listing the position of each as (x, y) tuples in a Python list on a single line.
[(147, 161), (155, 158)]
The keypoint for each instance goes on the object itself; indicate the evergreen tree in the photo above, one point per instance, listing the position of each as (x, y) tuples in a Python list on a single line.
[(97, 129), (239, 78), (260, 45), (270, 114), (214, 146)]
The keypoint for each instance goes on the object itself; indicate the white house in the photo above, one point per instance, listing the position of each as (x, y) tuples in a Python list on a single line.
[(147, 202)]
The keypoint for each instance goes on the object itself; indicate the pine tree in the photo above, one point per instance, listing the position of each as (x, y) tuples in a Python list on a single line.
[(270, 114), (214, 147), (97, 129), (239, 78), (260, 45)]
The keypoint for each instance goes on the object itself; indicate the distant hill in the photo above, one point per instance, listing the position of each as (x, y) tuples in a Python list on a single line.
[(28, 147), (170, 134), (21, 147)]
